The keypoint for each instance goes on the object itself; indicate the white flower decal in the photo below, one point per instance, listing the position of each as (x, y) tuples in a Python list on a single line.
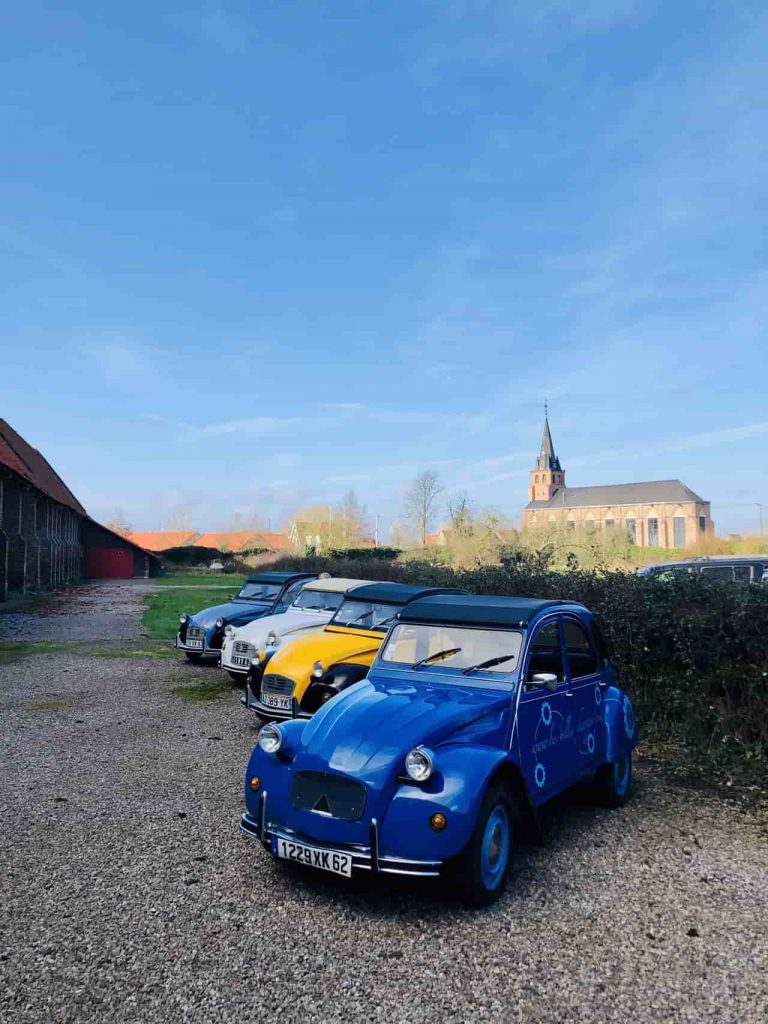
[(546, 712), (591, 743), (629, 718), (598, 695), (540, 774)]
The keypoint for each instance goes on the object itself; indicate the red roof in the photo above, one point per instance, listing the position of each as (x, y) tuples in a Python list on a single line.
[(276, 541), (27, 461), (161, 540), (243, 540)]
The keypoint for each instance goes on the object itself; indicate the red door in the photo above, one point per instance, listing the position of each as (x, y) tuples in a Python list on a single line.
[(108, 564)]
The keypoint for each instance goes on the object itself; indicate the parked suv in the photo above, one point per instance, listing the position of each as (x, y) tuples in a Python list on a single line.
[(731, 568)]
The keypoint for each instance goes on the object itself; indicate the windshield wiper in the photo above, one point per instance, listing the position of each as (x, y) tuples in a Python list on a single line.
[(437, 656), (487, 664), (385, 621)]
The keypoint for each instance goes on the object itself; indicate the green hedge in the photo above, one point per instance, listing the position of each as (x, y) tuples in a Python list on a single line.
[(364, 554), (692, 652)]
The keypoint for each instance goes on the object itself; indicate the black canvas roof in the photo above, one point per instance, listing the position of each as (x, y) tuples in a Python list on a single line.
[(396, 593), (474, 610), (280, 577)]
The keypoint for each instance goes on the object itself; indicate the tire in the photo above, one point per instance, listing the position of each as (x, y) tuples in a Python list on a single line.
[(194, 658), (482, 869), (613, 781), (237, 677)]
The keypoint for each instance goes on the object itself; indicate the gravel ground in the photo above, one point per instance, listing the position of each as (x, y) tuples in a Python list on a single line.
[(127, 893), (110, 610)]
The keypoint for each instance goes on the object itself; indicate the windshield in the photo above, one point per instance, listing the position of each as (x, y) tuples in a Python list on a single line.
[(456, 648), (365, 614), (318, 601), (259, 591)]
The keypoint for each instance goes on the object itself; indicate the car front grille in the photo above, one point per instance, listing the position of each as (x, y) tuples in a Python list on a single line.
[(245, 650), (195, 633), (281, 685), (334, 795)]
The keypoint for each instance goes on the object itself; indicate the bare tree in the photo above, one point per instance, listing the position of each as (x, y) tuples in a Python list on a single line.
[(354, 520), (460, 513), (421, 502), (119, 524)]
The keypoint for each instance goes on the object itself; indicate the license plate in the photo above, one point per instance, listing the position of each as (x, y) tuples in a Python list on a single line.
[(326, 860), (195, 644), (279, 703), (238, 660)]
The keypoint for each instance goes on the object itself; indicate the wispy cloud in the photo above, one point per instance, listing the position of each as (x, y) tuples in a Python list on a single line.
[(123, 361), (253, 426)]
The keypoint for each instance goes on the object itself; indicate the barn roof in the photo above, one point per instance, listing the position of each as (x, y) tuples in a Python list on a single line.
[(17, 455)]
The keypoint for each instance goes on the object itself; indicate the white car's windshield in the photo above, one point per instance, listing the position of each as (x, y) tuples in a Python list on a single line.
[(460, 649), (317, 601), (260, 591), (365, 614)]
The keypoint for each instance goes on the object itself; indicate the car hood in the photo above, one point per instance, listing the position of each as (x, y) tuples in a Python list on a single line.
[(283, 624), (367, 730), (296, 657), (230, 611)]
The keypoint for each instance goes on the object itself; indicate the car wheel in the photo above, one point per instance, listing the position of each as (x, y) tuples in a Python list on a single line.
[(481, 871), (613, 781), (237, 677), (194, 658)]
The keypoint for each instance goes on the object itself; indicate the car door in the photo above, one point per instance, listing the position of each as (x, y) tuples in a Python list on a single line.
[(587, 686), (545, 723)]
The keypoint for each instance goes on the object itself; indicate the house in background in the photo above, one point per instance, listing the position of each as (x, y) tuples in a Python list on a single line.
[(238, 541), (654, 513), (46, 536), (162, 540)]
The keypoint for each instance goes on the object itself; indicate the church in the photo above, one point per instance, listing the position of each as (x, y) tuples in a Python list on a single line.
[(656, 513)]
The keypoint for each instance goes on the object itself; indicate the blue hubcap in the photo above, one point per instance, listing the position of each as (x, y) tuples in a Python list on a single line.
[(495, 849), (621, 776)]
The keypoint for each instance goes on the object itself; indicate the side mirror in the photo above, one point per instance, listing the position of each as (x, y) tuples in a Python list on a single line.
[(544, 680)]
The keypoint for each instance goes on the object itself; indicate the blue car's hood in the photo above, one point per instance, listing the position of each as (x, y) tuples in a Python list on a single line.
[(367, 730), (231, 612)]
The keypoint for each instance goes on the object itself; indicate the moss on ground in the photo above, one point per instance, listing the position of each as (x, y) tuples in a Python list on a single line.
[(48, 705)]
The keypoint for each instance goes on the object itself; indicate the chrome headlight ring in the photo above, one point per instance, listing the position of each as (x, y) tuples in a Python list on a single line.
[(419, 764)]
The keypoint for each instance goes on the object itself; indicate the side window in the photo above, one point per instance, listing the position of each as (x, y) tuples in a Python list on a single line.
[(743, 573), (581, 657), (290, 595), (546, 653), (718, 572)]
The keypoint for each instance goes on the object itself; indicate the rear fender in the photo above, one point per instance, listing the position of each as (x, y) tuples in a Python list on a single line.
[(620, 727)]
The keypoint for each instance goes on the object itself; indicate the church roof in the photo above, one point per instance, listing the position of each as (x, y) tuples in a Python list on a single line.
[(648, 492)]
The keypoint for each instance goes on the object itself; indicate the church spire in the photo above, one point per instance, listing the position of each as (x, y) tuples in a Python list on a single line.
[(547, 458), (547, 476)]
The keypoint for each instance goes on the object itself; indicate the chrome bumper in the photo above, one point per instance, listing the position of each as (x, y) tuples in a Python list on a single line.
[(364, 858), (251, 704), (204, 652)]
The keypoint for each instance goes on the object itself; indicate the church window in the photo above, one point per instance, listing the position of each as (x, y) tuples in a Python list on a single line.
[(570, 524), (702, 524), (653, 532), (609, 525), (589, 523), (679, 529), (631, 530)]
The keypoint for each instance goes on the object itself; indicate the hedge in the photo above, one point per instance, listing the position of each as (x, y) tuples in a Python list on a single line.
[(691, 651)]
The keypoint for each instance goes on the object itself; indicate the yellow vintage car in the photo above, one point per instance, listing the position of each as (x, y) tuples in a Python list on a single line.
[(307, 672)]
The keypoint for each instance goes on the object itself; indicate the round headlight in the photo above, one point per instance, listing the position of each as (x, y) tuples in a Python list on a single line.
[(418, 764), (270, 739), (229, 631), (219, 623), (317, 670), (183, 618), (272, 639), (255, 661)]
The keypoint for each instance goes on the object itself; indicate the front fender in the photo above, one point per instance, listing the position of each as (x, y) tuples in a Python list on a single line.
[(620, 728), (336, 679), (456, 789)]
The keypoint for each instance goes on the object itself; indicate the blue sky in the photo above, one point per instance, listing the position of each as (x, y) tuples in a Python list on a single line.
[(254, 255)]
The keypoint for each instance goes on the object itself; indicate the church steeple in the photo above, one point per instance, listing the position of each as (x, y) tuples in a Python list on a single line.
[(547, 475)]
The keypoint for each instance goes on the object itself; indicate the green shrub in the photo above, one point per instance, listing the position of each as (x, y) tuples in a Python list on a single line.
[(364, 554), (691, 651)]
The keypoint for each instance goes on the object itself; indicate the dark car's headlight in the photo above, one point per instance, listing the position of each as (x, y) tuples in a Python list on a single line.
[(272, 639), (219, 623), (270, 738), (183, 618), (419, 764), (229, 631)]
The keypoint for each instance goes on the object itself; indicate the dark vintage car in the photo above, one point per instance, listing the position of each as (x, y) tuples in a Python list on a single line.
[(730, 568), (265, 593), (476, 711)]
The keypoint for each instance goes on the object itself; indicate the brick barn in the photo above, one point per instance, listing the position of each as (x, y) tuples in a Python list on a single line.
[(46, 536)]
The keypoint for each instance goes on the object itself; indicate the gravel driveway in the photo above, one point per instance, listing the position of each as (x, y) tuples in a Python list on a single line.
[(110, 610), (128, 894)]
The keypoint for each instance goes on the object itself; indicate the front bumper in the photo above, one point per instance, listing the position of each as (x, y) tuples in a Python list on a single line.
[(254, 704), (205, 651), (364, 858)]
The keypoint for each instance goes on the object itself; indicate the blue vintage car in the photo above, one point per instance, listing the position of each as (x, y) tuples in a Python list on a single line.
[(265, 593), (476, 712)]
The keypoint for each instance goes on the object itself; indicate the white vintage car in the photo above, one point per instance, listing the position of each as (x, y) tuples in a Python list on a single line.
[(312, 608)]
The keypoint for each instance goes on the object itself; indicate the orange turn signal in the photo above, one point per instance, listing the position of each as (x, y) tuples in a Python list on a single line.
[(255, 783), (438, 822)]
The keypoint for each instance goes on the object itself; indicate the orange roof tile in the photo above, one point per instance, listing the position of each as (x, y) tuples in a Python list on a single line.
[(161, 540)]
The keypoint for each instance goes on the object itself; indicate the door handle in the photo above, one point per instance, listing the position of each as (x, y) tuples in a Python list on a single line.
[(568, 693)]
